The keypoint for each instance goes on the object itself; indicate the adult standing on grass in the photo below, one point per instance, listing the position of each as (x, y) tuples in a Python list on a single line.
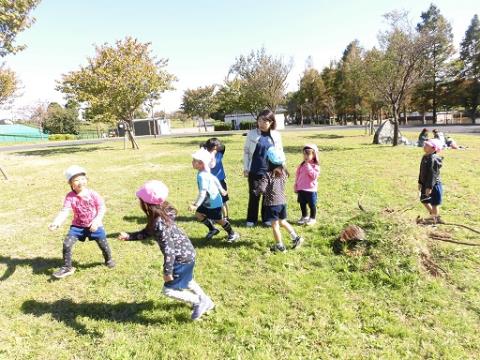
[(255, 163)]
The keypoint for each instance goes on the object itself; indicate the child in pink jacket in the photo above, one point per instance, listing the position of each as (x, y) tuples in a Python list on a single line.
[(306, 184)]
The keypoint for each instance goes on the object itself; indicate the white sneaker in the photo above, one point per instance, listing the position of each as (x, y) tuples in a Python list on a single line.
[(310, 222), (250, 224), (302, 220)]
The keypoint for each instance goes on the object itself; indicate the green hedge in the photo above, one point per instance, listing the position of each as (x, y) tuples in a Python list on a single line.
[(247, 125), (59, 137), (221, 126)]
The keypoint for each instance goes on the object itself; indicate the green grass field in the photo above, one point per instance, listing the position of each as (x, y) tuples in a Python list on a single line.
[(305, 304)]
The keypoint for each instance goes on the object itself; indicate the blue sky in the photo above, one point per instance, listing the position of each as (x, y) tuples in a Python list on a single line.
[(201, 39)]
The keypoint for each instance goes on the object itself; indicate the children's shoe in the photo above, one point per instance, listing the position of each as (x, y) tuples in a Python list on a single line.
[(278, 248), (250, 224), (110, 263), (297, 242), (233, 237), (302, 220), (310, 222), (211, 234), (204, 306), (63, 272)]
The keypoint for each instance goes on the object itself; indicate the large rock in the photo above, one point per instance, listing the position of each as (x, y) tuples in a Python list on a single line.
[(384, 134)]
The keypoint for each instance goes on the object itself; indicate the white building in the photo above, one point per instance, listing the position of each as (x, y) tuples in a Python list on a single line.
[(237, 118)]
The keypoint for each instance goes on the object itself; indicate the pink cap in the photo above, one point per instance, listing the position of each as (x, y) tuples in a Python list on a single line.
[(153, 192), (434, 143)]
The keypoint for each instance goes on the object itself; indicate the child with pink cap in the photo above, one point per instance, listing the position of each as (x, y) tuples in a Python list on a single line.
[(208, 205), (176, 247), (306, 184), (429, 183)]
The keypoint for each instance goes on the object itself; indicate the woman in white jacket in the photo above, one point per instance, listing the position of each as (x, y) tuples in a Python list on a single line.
[(255, 163)]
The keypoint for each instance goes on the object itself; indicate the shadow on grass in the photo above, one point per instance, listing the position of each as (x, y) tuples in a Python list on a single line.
[(219, 242), (325, 148), (223, 139), (62, 150), (39, 265), (67, 311), (141, 220)]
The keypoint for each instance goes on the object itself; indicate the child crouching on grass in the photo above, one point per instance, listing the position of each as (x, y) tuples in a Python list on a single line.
[(88, 210), (272, 186), (208, 205), (178, 251), (429, 183)]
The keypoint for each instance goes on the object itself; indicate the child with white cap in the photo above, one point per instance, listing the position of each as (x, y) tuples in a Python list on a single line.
[(178, 252), (306, 184), (208, 205), (88, 211)]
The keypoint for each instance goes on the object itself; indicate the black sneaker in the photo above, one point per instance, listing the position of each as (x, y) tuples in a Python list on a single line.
[(211, 234), (63, 272), (297, 242), (278, 248), (110, 263), (233, 237)]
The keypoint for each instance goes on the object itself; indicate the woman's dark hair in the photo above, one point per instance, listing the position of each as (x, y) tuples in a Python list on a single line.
[(278, 170), (268, 115), (164, 211)]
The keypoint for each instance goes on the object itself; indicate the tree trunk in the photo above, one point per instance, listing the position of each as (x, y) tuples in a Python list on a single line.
[(395, 124), (3, 173), (130, 131)]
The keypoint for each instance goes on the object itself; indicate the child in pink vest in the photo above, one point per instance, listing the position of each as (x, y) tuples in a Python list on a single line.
[(306, 184)]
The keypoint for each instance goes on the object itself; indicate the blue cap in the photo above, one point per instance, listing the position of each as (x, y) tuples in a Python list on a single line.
[(275, 156)]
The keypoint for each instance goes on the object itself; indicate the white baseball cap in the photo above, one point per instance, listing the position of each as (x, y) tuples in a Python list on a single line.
[(74, 170)]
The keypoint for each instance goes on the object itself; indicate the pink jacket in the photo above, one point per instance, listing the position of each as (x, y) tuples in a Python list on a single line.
[(306, 177)]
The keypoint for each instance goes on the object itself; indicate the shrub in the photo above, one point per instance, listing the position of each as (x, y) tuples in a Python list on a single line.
[(59, 137), (247, 125), (221, 126)]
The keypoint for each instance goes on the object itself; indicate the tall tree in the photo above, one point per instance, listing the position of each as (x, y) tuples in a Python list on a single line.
[(437, 32), (8, 84), (117, 82), (200, 102), (14, 18), (61, 120), (262, 80), (397, 66), (351, 83), (470, 72), (329, 77), (311, 93)]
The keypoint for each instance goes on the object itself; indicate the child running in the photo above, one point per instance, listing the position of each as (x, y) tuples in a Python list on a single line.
[(272, 186), (178, 252), (306, 184), (429, 183), (88, 211), (208, 205), (217, 150)]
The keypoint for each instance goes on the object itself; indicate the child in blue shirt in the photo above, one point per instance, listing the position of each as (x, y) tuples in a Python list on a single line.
[(208, 205), (217, 150)]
